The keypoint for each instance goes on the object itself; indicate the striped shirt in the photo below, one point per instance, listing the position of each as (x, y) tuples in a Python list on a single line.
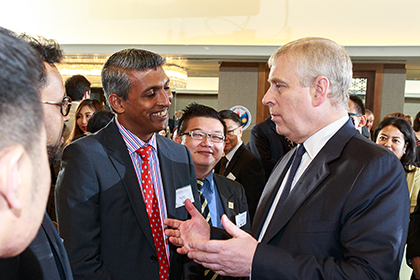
[(133, 143)]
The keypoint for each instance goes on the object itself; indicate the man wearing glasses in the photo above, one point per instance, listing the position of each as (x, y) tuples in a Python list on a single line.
[(357, 114), (202, 130), (239, 164)]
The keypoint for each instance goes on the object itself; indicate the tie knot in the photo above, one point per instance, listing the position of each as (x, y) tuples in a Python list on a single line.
[(144, 152), (200, 183), (301, 150)]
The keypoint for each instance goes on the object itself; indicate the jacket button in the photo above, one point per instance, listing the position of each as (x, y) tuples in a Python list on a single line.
[(153, 258)]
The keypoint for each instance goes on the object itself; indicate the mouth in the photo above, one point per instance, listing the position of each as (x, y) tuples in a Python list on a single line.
[(161, 114), (205, 153), (84, 127)]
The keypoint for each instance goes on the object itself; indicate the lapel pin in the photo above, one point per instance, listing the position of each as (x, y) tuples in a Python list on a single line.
[(230, 205)]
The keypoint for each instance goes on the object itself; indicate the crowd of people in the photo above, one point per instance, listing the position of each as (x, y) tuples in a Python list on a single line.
[(317, 193)]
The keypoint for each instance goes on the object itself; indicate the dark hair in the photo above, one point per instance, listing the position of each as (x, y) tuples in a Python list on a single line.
[(409, 158), (76, 86), (21, 111), (77, 132), (400, 115), (49, 50), (197, 110), (416, 123), (115, 77), (229, 114), (98, 120), (360, 107)]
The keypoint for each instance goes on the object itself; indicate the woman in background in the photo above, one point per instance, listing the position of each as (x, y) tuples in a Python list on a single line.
[(397, 135), (82, 115)]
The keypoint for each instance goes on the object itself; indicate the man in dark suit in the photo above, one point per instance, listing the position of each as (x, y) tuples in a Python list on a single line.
[(104, 184), (267, 145), (336, 207), (24, 180), (202, 130), (46, 257), (239, 164)]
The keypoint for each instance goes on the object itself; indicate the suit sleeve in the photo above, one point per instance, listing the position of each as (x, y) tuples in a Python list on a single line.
[(413, 240), (371, 231), (77, 202)]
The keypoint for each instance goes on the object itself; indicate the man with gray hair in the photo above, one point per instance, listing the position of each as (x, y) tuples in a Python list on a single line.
[(116, 187), (334, 207)]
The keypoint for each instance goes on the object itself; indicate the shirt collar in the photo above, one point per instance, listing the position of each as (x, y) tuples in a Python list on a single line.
[(318, 140), (132, 142), (230, 155)]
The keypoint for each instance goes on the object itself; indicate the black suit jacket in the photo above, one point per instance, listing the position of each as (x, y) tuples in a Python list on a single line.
[(413, 239), (249, 172), (101, 212), (45, 258), (267, 145), (232, 196), (346, 217)]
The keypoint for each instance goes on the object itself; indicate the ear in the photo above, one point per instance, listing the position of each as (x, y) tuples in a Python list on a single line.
[(321, 87), (240, 131), (10, 176), (363, 121), (86, 95), (178, 139), (117, 103)]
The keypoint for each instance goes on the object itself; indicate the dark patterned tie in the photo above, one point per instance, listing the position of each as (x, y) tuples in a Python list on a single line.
[(223, 163), (153, 212), (208, 274)]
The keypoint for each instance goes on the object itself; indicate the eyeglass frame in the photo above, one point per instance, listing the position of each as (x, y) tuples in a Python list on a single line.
[(207, 135), (232, 130), (65, 103)]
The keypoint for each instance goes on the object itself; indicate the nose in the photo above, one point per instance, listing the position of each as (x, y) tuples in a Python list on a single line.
[(166, 98), (85, 120), (267, 99), (206, 141), (387, 143)]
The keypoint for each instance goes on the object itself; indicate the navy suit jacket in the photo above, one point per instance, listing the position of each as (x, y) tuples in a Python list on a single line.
[(346, 217), (267, 145), (249, 172), (101, 213), (45, 258)]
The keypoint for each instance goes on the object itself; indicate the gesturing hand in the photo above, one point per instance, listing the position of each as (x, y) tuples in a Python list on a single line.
[(182, 233)]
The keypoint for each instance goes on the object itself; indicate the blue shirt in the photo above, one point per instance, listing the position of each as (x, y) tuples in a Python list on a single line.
[(210, 192)]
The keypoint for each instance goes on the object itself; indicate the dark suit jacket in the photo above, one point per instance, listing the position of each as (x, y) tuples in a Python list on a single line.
[(232, 193), (45, 258), (101, 212), (346, 217), (267, 145), (413, 239), (249, 173)]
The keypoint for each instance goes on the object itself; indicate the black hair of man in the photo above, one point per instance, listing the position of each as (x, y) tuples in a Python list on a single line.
[(98, 120), (76, 87), (229, 114), (49, 50), (20, 107), (359, 106), (197, 110), (115, 73)]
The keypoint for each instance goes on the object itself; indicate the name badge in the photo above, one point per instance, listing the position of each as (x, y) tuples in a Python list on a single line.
[(182, 194), (240, 219)]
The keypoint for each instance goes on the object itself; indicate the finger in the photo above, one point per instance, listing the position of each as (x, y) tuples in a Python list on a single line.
[(176, 241), (172, 232), (212, 246), (172, 223), (231, 228), (191, 209)]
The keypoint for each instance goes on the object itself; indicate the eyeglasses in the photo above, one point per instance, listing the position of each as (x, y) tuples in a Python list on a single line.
[(198, 135), (64, 105), (351, 115), (230, 132)]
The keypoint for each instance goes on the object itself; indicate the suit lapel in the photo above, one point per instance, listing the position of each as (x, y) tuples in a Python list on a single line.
[(224, 194), (310, 180), (118, 154), (235, 158)]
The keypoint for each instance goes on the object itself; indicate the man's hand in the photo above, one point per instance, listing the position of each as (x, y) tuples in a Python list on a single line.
[(415, 263), (182, 233), (231, 257)]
